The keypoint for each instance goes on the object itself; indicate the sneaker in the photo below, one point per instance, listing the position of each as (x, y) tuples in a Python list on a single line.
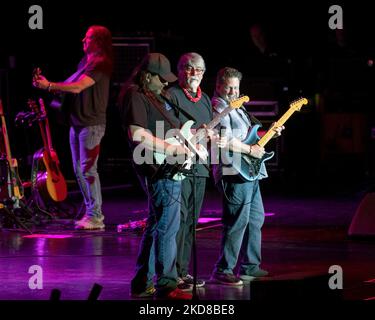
[(175, 294), (86, 216), (189, 279), (100, 218), (256, 274), (183, 286), (148, 293), (228, 279), (89, 223)]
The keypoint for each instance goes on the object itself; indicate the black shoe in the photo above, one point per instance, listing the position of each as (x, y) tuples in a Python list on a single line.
[(256, 274), (183, 286), (188, 279), (228, 279), (147, 293)]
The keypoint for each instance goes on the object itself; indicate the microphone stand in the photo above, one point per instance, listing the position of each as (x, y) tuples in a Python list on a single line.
[(194, 243), (193, 173)]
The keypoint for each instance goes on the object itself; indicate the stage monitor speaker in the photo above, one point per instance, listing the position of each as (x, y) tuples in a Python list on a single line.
[(303, 286), (363, 222)]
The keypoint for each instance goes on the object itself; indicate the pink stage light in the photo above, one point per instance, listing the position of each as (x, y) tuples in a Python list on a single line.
[(48, 236)]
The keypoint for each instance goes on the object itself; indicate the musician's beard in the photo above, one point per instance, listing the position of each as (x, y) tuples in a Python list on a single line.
[(231, 98), (193, 84)]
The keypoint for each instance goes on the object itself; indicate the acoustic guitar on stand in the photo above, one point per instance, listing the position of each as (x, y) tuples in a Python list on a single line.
[(15, 188), (51, 181)]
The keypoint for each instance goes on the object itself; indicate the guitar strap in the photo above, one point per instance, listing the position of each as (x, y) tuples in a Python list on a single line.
[(57, 103), (178, 108), (252, 119), (164, 169), (160, 107), (75, 75)]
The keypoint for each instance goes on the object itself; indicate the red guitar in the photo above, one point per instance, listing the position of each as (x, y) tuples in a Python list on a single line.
[(51, 182)]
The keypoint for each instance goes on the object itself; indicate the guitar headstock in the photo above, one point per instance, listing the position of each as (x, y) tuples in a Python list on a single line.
[(38, 109), (237, 103), (298, 104)]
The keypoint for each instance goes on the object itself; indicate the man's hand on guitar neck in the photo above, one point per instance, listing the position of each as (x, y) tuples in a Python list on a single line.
[(277, 130), (40, 82)]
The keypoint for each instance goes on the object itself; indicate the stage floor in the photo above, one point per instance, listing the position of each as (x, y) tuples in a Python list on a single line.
[(302, 238)]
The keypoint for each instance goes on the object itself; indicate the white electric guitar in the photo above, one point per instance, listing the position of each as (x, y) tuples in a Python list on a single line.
[(184, 136)]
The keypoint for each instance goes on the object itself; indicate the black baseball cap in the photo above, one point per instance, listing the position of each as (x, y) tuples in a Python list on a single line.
[(158, 63)]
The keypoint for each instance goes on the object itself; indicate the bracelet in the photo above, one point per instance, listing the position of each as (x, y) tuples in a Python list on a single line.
[(49, 87)]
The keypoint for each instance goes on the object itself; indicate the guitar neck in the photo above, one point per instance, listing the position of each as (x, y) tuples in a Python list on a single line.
[(202, 133), (48, 133), (5, 135), (45, 130), (270, 133)]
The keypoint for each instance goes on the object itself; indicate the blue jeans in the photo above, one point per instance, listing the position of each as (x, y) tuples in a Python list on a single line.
[(85, 147), (243, 217), (158, 250)]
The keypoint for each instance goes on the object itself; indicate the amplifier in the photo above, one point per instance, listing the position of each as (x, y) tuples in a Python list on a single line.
[(267, 111), (128, 53), (263, 108)]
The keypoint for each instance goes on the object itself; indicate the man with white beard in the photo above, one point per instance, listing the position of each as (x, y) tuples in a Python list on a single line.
[(192, 104)]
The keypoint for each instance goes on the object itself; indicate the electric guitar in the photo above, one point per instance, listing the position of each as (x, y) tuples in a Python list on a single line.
[(15, 188), (184, 136), (249, 167), (50, 182)]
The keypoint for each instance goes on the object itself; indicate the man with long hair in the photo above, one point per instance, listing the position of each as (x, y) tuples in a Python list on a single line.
[(86, 95)]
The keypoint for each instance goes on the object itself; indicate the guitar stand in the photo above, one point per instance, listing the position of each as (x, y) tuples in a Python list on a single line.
[(37, 203), (9, 206)]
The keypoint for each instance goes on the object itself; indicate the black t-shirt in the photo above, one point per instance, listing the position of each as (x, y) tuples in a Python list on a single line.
[(88, 108), (137, 109), (200, 112)]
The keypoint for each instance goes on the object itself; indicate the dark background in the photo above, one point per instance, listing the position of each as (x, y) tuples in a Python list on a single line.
[(328, 147)]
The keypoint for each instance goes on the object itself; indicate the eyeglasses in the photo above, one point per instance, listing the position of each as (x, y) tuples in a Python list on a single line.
[(197, 70)]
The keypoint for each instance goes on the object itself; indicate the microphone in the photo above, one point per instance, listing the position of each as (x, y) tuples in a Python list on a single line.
[(222, 131)]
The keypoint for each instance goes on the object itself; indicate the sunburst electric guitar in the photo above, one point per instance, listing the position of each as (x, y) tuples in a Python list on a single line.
[(186, 137)]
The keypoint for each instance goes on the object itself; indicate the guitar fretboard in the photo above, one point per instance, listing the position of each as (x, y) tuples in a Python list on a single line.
[(270, 133), (202, 133)]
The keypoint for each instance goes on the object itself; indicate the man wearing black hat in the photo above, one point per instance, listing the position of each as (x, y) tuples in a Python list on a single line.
[(146, 117)]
